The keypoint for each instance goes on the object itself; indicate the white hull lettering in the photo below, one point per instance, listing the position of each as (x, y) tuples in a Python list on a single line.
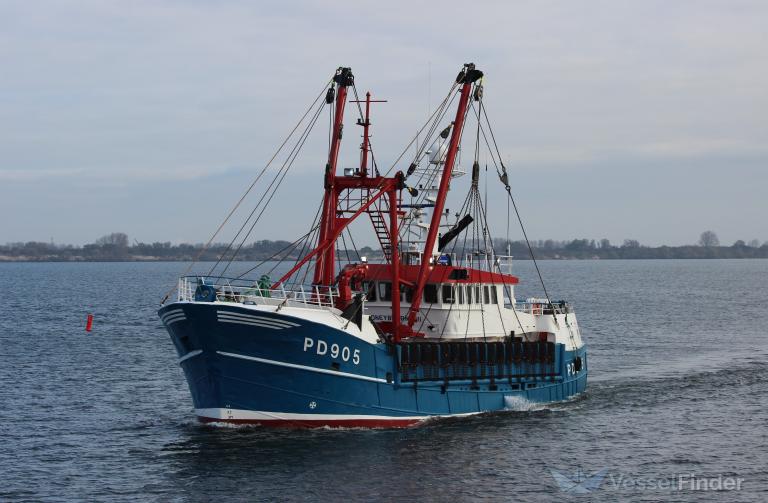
[(336, 351)]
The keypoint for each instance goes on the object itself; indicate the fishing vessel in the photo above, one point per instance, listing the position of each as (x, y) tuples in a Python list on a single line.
[(431, 329)]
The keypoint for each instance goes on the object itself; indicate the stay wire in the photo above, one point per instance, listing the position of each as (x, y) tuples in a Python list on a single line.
[(274, 191), (248, 190), (433, 173), (266, 191), (517, 212), (293, 245), (506, 289), (415, 138), (310, 240)]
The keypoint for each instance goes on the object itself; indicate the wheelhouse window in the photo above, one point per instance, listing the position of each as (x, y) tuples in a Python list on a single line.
[(494, 298), (469, 294), (385, 290), (461, 293), (430, 293), (478, 299), (448, 297), (486, 295)]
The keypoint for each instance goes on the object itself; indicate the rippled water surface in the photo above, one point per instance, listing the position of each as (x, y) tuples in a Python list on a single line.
[(678, 385)]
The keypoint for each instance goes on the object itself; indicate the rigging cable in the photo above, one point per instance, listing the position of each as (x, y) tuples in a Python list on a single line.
[(293, 245), (507, 290), (503, 177), (281, 174), (267, 190), (505, 180), (248, 190)]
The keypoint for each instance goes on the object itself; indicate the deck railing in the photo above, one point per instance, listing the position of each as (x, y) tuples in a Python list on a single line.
[(490, 262), (245, 291), (541, 306)]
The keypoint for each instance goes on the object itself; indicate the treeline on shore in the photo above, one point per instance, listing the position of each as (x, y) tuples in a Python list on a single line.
[(116, 247)]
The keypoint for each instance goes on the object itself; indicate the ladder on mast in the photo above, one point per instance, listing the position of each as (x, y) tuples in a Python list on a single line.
[(382, 232)]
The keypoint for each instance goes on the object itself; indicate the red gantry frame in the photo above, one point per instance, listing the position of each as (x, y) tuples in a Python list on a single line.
[(334, 219)]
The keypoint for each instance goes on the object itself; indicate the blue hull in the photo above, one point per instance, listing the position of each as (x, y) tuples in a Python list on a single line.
[(246, 366)]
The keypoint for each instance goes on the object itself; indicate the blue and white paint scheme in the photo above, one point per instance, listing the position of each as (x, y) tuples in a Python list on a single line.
[(291, 359), (432, 330)]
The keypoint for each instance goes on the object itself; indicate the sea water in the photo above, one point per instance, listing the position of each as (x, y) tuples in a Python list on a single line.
[(678, 392)]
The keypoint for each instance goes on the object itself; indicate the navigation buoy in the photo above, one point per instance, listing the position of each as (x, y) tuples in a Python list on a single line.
[(89, 323)]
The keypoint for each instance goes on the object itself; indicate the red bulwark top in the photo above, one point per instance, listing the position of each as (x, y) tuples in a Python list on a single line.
[(440, 274)]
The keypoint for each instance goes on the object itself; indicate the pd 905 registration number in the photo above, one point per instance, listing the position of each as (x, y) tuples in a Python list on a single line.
[(320, 347)]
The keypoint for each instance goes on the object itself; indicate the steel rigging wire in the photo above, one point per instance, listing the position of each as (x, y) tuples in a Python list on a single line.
[(250, 187), (504, 178), (276, 182)]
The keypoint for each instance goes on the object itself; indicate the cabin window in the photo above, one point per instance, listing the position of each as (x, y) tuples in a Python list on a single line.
[(448, 294), (385, 290), (370, 291), (461, 293), (478, 299), (469, 294), (430, 293), (408, 293), (494, 298), (486, 295)]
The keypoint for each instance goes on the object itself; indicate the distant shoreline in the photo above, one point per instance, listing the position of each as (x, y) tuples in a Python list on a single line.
[(116, 248), (19, 260)]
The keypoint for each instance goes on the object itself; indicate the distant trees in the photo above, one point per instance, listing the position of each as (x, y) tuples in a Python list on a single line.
[(118, 239), (580, 245), (631, 243), (116, 247), (709, 239)]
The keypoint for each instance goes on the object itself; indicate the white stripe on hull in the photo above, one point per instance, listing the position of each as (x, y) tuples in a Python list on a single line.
[(232, 315), (173, 316), (252, 319), (174, 319), (252, 324), (303, 367), (189, 355), (172, 312)]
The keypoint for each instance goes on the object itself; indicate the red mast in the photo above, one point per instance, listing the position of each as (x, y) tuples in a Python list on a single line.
[(324, 268), (365, 146), (467, 77), (334, 219)]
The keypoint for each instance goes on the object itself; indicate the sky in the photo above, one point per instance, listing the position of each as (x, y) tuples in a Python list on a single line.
[(641, 120)]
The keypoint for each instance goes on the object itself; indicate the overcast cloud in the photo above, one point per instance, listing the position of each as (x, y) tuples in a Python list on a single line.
[(645, 120)]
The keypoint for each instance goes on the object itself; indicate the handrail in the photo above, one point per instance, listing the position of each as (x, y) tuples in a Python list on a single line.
[(540, 306), (244, 291)]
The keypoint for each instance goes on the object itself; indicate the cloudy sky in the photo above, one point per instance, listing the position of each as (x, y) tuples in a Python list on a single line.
[(619, 119)]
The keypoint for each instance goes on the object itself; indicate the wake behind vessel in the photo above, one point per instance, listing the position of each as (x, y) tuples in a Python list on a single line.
[(433, 330)]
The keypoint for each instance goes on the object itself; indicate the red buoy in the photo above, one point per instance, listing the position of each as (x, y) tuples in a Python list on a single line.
[(89, 323)]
